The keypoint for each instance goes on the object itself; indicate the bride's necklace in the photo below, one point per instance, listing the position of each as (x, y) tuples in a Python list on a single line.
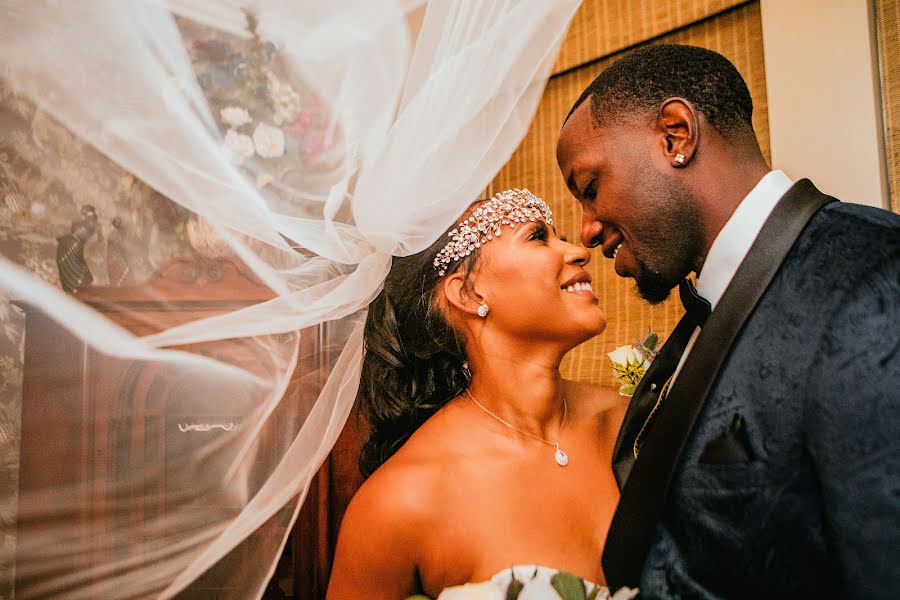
[(562, 459)]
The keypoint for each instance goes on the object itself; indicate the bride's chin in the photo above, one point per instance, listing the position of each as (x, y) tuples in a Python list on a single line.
[(587, 332)]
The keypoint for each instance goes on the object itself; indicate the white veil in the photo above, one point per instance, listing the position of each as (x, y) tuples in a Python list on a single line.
[(308, 140)]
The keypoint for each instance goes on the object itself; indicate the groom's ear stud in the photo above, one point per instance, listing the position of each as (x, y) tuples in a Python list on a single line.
[(679, 158)]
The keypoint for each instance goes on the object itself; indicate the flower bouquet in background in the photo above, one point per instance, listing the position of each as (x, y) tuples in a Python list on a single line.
[(532, 583), (631, 361), (261, 114)]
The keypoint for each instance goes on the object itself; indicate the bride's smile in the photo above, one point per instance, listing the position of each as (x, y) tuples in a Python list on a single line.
[(536, 286)]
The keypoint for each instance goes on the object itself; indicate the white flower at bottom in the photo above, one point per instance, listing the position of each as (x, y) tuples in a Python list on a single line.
[(269, 141), (235, 116), (538, 589), (625, 593), (487, 590), (239, 143)]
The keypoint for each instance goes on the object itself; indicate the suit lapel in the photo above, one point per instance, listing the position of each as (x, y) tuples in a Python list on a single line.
[(644, 398), (644, 494)]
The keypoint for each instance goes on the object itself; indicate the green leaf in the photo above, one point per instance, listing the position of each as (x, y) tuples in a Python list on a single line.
[(514, 589), (568, 586), (418, 597), (627, 390)]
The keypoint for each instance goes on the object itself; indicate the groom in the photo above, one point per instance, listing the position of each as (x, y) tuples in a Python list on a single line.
[(760, 455)]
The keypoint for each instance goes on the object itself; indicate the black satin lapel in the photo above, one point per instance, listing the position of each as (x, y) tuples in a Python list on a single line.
[(644, 398), (644, 494)]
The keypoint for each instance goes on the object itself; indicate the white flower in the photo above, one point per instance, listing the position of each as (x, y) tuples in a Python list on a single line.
[(629, 365), (538, 589), (487, 590), (625, 354), (235, 116), (269, 141), (239, 143), (625, 593)]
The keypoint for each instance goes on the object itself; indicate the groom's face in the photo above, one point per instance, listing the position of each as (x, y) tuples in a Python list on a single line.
[(632, 207)]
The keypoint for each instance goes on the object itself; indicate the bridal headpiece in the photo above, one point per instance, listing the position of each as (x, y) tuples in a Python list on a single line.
[(505, 208)]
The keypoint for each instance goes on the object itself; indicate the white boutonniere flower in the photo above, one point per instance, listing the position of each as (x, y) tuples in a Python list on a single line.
[(630, 362)]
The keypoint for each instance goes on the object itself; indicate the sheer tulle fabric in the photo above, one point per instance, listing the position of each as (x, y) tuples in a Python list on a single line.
[(338, 135)]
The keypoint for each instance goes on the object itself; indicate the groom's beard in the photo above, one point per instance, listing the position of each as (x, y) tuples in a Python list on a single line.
[(652, 286), (672, 243)]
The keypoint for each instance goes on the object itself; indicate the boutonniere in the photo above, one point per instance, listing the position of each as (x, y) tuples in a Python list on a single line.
[(630, 362)]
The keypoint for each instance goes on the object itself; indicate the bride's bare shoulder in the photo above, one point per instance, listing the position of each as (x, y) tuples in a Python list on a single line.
[(384, 530), (401, 493)]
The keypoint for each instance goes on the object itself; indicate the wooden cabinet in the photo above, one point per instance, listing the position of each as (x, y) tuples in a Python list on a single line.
[(61, 373)]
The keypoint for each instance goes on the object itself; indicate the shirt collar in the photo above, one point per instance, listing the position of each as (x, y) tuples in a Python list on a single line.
[(734, 240)]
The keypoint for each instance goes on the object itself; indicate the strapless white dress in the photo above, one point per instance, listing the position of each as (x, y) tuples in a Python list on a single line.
[(537, 584)]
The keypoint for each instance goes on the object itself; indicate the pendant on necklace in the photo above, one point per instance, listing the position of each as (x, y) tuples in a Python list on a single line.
[(562, 459)]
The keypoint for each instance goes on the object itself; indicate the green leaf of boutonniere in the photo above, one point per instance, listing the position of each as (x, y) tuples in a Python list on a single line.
[(514, 589), (568, 586)]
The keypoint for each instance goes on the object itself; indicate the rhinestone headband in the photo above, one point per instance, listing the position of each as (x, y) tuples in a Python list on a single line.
[(506, 208)]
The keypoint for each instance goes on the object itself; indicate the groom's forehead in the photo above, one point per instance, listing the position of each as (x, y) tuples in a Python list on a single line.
[(582, 142), (576, 134)]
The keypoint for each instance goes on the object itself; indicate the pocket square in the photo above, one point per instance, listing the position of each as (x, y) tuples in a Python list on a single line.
[(733, 446)]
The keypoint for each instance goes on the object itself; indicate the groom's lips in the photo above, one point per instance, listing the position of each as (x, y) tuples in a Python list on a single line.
[(619, 264), (611, 243)]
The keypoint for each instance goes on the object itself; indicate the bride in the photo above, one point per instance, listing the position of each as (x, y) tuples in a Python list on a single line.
[(480, 456)]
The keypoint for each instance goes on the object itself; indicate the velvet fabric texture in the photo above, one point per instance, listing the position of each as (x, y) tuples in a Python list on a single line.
[(789, 485)]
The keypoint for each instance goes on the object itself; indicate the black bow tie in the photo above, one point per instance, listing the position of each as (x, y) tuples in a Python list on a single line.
[(696, 306)]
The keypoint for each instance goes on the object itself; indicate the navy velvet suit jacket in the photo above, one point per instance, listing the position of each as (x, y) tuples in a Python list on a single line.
[(789, 485)]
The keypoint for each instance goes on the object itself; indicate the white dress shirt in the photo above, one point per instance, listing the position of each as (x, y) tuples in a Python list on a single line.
[(733, 243)]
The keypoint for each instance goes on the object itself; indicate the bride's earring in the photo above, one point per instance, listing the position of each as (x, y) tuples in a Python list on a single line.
[(483, 310), (679, 158)]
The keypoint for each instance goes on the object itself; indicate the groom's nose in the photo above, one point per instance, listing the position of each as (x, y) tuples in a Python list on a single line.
[(591, 230)]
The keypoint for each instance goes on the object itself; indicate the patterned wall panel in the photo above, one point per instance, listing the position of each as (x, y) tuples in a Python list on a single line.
[(737, 34), (888, 25), (603, 27)]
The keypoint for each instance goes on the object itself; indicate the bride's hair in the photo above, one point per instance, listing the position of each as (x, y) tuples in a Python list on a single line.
[(414, 358)]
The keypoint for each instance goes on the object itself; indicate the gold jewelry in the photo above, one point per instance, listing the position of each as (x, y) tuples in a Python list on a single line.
[(637, 440), (562, 459)]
